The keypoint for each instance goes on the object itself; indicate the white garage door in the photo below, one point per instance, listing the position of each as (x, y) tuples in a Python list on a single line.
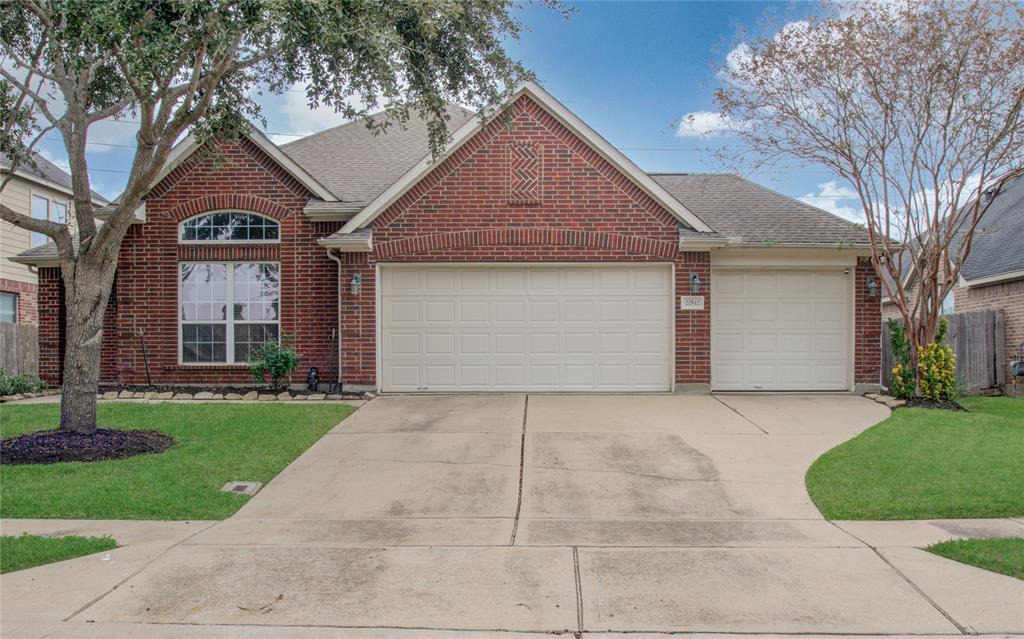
[(514, 328), (780, 330)]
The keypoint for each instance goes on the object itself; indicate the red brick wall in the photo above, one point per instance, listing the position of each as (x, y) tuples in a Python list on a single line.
[(240, 177), (1008, 296), (693, 328), (585, 210), (27, 307), (867, 328)]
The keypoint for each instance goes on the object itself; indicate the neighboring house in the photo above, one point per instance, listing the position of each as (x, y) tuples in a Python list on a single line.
[(530, 257), (993, 275), (42, 191)]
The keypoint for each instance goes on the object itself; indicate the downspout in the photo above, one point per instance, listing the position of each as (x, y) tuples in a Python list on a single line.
[(337, 259)]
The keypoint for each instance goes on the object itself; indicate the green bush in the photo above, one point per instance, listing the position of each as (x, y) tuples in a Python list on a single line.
[(16, 384), (936, 367), (272, 363), (904, 378)]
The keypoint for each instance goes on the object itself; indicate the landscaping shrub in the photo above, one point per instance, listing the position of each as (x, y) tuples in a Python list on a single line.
[(904, 377), (15, 384), (272, 363), (936, 366)]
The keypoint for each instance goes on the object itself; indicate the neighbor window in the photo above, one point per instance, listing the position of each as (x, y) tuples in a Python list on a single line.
[(230, 226), (8, 308), (43, 208), (226, 308)]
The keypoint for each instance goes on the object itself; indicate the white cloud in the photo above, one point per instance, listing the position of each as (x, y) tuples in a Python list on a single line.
[(838, 199), (701, 124), (301, 119)]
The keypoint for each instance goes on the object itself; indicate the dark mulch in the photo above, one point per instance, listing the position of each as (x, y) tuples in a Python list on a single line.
[(923, 402), (52, 446), (224, 390)]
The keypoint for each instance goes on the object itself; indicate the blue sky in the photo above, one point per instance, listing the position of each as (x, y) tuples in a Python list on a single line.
[(632, 70)]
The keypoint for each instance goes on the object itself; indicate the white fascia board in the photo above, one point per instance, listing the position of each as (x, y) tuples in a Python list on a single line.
[(698, 243), (139, 216), (182, 150), (563, 115), (341, 213), (347, 245), (998, 278), (38, 262)]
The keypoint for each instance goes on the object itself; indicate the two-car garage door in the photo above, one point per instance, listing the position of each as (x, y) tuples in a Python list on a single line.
[(540, 328)]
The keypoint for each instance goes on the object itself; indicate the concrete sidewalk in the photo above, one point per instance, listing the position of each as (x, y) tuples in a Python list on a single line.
[(460, 516)]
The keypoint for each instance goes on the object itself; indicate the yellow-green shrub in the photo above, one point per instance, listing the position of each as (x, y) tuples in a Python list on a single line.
[(936, 365)]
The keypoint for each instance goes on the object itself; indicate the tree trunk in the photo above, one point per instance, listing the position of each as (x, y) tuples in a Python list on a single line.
[(85, 300)]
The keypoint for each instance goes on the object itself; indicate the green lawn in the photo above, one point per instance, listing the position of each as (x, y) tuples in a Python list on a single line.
[(926, 464), (27, 551), (214, 444), (1004, 556)]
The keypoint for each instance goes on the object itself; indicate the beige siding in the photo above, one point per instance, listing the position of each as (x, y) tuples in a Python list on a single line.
[(17, 195)]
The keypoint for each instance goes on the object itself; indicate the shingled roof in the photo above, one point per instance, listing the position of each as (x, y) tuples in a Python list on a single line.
[(996, 246), (356, 164), (747, 213), (46, 170)]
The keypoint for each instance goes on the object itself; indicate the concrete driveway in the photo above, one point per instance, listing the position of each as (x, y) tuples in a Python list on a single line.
[(563, 513)]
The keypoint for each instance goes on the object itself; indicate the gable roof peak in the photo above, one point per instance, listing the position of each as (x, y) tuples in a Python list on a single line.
[(568, 119)]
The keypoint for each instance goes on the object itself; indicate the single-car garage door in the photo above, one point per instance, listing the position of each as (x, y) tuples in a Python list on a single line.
[(515, 328), (781, 329)]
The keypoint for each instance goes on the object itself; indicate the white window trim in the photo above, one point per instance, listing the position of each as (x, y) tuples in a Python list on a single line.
[(50, 201), (229, 351), (181, 229)]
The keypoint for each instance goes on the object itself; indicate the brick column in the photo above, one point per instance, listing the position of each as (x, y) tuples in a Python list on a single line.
[(693, 328), (867, 329)]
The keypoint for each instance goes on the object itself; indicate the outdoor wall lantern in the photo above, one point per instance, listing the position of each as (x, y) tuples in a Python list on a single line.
[(694, 284), (356, 283), (872, 284)]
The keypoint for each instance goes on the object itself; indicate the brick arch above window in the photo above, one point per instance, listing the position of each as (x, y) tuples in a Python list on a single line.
[(234, 201), (527, 237)]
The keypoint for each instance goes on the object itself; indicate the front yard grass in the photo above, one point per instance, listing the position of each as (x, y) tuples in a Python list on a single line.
[(928, 464), (1002, 555), (27, 551), (214, 444)]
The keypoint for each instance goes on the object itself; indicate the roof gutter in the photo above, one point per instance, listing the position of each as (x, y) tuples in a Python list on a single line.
[(348, 244), (332, 211), (38, 262), (992, 279)]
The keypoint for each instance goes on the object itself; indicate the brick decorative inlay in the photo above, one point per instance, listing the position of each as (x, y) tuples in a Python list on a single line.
[(524, 173)]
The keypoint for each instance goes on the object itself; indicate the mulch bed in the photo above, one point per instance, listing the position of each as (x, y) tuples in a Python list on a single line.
[(922, 402), (53, 446)]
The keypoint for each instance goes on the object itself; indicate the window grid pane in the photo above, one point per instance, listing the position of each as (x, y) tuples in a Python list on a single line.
[(230, 226), (248, 336), (206, 290)]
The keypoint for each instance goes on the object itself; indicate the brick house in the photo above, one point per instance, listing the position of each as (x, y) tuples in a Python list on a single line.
[(42, 191), (531, 256), (992, 278)]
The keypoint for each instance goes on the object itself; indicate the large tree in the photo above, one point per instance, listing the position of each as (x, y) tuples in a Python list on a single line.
[(917, 104), (194, 65)]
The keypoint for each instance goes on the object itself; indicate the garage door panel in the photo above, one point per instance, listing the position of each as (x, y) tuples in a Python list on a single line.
[(450, 328), (474, 311), (780, 330)]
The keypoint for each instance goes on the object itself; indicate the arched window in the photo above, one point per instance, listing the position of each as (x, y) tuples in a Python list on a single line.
[(230, 226)]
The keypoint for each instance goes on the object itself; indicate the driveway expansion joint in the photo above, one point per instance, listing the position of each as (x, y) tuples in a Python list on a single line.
[(522, 465), (907, 579), (747, 419)]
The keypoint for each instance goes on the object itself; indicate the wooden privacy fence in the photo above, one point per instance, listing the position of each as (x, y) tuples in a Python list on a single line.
[(978, 340), (19, 349)]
